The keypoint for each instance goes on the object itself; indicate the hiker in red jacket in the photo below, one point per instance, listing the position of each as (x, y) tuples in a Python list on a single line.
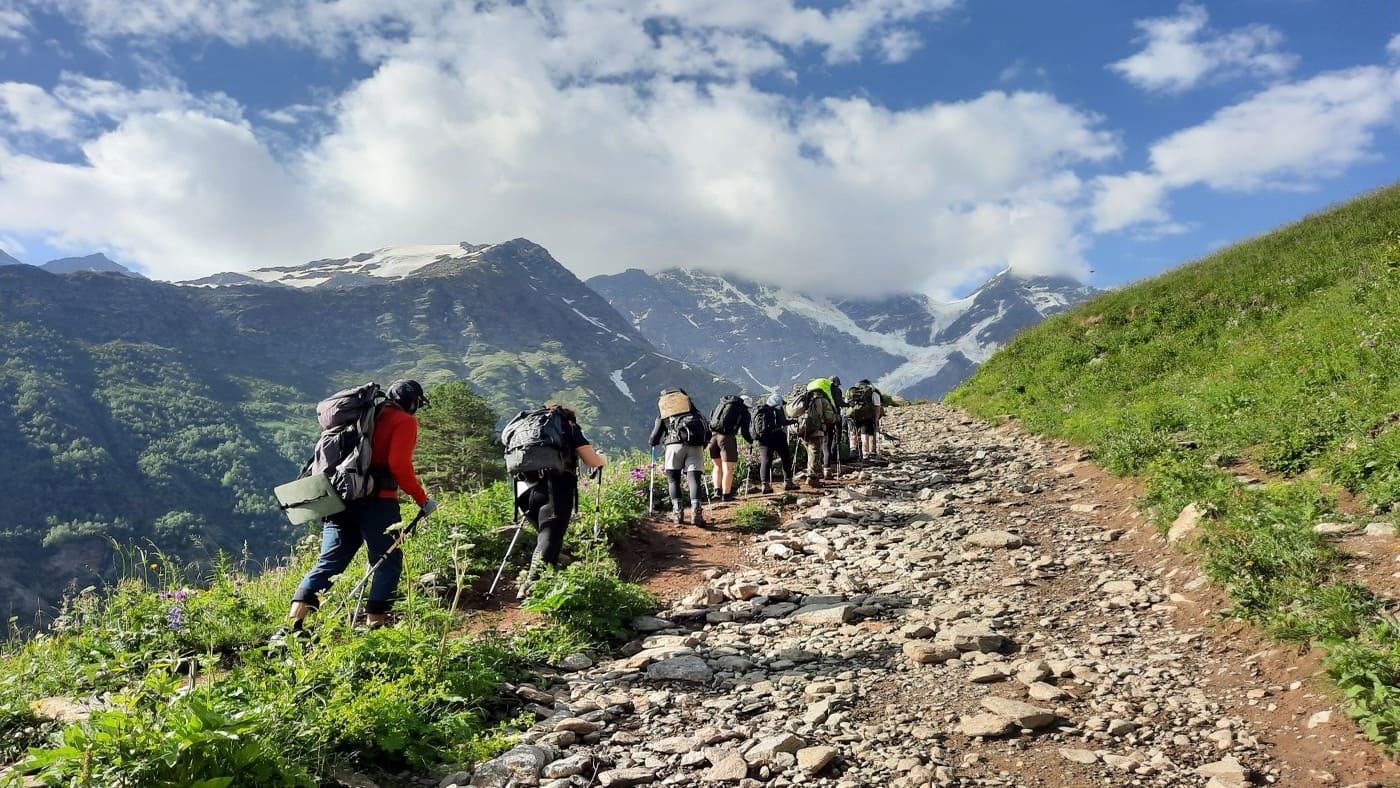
[(365, 521)]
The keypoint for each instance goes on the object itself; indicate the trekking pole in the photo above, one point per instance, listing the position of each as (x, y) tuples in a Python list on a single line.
[(519, 526), (598, 510), (651, 483), (357, 591)]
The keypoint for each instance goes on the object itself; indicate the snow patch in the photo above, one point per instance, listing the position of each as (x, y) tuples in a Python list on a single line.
[(616, 376)]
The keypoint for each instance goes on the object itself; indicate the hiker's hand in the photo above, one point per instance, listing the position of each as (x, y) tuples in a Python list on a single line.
[(429, 506)]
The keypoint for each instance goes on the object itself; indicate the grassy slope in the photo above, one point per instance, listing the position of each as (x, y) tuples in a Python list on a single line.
[(1283, 350)]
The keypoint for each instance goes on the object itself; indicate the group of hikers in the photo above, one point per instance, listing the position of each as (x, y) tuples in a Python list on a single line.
[(544, 451)]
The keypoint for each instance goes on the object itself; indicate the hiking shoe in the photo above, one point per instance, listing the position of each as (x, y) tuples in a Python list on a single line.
[(789, 485), (767, 488), (677, 516), (284, 635), (698, 518)]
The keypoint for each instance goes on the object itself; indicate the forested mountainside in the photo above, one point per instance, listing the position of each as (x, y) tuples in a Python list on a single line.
[(141, 410)]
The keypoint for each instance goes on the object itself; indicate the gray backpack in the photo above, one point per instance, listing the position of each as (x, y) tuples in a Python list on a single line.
[(343, 451)]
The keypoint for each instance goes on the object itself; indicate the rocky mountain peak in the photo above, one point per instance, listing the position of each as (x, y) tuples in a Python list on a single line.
[(768, 336), (97, 262)]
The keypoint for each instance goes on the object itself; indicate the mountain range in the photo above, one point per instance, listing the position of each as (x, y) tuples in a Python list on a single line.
[(768, 337), (95, 263), (142, 410)]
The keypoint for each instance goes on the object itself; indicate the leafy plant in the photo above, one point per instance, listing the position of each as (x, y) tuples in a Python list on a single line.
[(756, 517), (589, 597)]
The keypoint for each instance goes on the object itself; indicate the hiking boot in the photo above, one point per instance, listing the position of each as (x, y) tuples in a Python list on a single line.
[(377, 620), (283, 635), (789, 485), (767, 489), (815, 483), (698, 517), (729, 496), (677, 516)]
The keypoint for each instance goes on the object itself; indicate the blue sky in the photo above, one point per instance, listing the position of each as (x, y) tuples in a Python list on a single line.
[(862, 146)]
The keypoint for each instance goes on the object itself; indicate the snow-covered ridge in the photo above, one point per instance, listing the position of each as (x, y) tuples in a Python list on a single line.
[(390, 262)]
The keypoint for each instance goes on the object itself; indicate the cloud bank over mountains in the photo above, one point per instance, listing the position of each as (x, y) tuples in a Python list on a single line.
[(650, 133)]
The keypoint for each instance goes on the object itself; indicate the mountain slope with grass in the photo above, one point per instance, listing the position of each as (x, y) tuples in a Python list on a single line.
[(1259, 390)]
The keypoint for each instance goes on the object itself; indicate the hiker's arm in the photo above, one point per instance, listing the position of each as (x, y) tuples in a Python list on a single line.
[(401, 447), (656, 433), (590, 457)]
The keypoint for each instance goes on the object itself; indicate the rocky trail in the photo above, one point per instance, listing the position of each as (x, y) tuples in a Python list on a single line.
[(985, 610)]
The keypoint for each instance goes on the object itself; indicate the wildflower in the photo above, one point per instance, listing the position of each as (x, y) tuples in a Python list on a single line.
[(175, 619)]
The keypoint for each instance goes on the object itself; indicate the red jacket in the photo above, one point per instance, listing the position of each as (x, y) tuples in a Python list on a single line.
[(395, 437)]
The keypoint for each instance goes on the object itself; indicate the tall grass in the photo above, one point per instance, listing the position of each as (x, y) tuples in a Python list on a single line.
[(1282, 353), (184, 686)]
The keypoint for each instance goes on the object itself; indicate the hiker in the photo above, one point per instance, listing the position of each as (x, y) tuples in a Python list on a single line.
[(816, 419), (685, 434), (865, 407), (730, 419), (833, 443), (366, 520), (547, 498), (768, 427)]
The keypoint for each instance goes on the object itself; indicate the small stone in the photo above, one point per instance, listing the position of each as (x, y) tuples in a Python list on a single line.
[(576, 725), (994, 539), (825, 615), (987, 674), (923, 652), (624, 778), (1320, 718), (1023, 714), (1085, 757), (1185, 524), (813, 760), (683, 668), (985, 725), (730, 767)]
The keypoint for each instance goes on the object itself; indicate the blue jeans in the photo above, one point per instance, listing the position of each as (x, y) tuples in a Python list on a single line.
[(363, 522)]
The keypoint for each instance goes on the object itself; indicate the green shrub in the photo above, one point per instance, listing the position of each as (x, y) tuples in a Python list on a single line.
[(589, 597), (756, 517)]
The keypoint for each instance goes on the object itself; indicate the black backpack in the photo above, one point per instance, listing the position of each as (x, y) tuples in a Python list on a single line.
[(767, 422), (690, 428), (811, 417), (537, 443), (343, 451), (728, 415), (860, 402)]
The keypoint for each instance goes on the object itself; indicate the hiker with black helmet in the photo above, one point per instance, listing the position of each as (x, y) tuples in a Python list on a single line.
[(685, 433), (865, 407), (547, 499), (367, 520), (730, 419), (768, 427)]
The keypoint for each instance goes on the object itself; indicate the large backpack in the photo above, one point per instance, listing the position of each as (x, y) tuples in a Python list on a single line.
[(767, 422), (814, 408), (343, 451), (860, 402), (689, 428), (537, 443), (728, 415)]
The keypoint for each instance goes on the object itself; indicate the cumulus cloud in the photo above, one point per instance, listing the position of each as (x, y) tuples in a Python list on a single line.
[(1180, 51), (1286, 137), (30, 109), (13, 24), (630, 135)]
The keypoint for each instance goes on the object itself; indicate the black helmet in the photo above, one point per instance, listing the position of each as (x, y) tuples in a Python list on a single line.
[(835, 381), (408, 394)]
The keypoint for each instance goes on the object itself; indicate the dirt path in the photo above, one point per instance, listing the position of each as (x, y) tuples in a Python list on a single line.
[(887, 631)]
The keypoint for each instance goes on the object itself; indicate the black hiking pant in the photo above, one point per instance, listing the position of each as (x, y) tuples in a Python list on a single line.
[(673, 486), (548, 504), (766, 452)]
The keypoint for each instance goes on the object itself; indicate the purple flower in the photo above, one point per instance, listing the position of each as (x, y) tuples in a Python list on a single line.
[(175, 619)]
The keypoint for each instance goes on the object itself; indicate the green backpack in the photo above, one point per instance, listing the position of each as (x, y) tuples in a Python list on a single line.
[(860, 403)]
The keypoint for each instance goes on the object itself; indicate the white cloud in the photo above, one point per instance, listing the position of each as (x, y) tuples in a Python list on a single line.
[(178, 191), (1180, 51), (30, 109), (1286, 137), (13, 23), (1122, 200), (1392, 48)]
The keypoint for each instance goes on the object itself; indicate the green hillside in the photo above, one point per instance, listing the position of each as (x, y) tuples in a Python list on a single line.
[(1278, 355)]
